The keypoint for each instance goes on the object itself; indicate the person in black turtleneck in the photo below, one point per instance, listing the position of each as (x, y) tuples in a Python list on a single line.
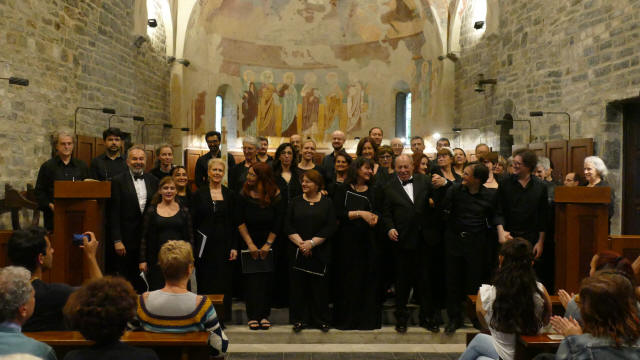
[(164, 164)]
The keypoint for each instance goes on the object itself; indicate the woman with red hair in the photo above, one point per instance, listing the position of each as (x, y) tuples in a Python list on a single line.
[(259, 217)]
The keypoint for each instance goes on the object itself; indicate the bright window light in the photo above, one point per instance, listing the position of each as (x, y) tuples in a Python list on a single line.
[(218, 113), (408, 117)]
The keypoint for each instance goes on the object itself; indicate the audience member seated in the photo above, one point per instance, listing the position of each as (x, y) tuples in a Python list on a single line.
[(611, 327), (173, 309), (515, 304), (31, 249), (100, 310), (605, 260), (17, 301)]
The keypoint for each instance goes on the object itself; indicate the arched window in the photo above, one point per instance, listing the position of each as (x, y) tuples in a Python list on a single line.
[(218, 124), (403, 115)]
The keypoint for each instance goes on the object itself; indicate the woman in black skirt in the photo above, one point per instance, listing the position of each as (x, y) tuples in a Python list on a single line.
[(164, 220), (216, 235), (357, 304), (310, 221)]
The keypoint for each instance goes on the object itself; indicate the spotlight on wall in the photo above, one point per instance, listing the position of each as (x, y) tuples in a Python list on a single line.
[(17, 81), (139, 40), (171, 59), (134, 117), (478, 25), (436, 135), (152, 23), (509, 124), (167, 126), (184, 62), (185, 129), (105, 110), (459, 129), (451, 56), (481, 82), (542, 113)]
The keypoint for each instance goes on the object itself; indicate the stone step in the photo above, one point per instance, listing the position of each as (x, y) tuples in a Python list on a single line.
[(386, 336)]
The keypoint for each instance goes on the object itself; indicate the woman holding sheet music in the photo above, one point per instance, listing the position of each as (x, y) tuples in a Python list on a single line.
[(309, 222), (259, 215), (357, 305), (213, 209)]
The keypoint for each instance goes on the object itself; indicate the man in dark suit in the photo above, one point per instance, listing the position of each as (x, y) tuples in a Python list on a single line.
[(404, 219), (131, 194)]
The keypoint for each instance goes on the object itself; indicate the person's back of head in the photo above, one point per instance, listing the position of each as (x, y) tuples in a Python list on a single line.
[(26, 245), (175, 260), (16, 295), (613, 262), (608, 308), (514, 309), (101, 309)]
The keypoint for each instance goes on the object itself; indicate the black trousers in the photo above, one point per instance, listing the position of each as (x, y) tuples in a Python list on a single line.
[(466, 269), (258, 295), (412, 271), (127, 266), (309, 302)]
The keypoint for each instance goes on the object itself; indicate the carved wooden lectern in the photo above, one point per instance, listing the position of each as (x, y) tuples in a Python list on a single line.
[(79, 207), (582, 230)]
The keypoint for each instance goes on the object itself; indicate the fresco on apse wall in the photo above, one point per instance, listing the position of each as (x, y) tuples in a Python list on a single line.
[(279, 102)]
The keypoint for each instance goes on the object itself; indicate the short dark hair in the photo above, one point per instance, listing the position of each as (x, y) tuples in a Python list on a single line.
[(25, 246), (101, 309), (491, 156), (213, 133), (444, 139), (315, 177), (480, 172), (345, 155), (112, 131), (417, 138), (529, 158), (482, 144), (263, 138), (352, 173), (376, 127)]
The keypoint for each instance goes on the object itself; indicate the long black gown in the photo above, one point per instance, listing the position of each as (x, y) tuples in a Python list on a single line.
[(357, 305), (215, 220)]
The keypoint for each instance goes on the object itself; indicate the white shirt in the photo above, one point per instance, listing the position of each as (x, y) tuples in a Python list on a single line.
[(141, 191), (408, 188), (505, 344)]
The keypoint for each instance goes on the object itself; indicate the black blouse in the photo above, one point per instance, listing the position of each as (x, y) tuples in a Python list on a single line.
[(152, 236), (311, 220), (205, 214), (259, 220)]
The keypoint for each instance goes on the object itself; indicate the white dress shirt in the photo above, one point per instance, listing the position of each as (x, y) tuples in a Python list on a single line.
[(408, 188), (141, 191)]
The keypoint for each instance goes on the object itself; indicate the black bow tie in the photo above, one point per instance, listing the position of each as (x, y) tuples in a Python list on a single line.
[(138, 177), (410, 181)]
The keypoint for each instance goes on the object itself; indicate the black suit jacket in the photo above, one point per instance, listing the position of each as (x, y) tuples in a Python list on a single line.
[(410, 219), (126, 217)]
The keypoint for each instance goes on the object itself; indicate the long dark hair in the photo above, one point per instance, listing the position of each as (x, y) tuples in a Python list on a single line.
[(277, 164), (352, 172), (361, 144), (514, 309)]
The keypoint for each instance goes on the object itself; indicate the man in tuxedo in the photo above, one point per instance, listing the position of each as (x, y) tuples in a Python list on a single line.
[(131, 194), (404, 219)]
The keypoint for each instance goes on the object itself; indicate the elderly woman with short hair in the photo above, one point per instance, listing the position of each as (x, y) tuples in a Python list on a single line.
[(595, 173)]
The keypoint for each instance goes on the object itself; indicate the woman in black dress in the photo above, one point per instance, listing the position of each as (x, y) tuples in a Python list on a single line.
[(357, 305), (238, 174), (341, 166), (164, 220), (259, 218), (213, 213), (287, 177), (164, 164), (183, 193), (309, 222)]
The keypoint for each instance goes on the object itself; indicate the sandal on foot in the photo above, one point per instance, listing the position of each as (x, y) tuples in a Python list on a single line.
[(253, 325), (265, 324)]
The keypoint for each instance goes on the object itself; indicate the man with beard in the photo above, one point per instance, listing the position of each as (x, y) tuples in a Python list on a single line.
[(131, 193), (328, 162), (214, 140), (110, 163)]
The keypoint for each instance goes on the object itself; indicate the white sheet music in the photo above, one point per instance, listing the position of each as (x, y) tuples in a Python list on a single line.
[(204, 241)]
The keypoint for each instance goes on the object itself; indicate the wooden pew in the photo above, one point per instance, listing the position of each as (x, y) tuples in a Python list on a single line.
[(188, 346), (4, 240), (218, 301), (527, 347)]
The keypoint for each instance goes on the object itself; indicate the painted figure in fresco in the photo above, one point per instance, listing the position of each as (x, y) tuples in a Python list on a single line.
[(249, 110), (355, 102), (268, 100), (289, 95), (310, 102), (425, 86), (333, 104)]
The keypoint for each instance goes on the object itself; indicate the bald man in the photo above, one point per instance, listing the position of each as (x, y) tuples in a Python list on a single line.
[(328, 162), (404, 218), (397, 146)]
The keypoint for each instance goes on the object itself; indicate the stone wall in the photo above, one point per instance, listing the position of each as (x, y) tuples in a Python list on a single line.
[(574, 56), (75, 53)]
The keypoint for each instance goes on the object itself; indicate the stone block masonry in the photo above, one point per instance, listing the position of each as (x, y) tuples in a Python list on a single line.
[(75, 53)]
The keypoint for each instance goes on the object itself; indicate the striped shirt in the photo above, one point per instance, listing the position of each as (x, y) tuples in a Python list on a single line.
[(174, 313)]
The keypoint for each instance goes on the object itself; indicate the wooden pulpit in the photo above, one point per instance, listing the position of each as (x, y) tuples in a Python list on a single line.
[(582, 230), (79, 207)]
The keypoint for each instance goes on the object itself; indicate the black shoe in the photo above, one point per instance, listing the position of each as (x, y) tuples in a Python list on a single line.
[(324, 328), (437, 318), (430, 325), (297, 327), (401, 328), (452, 326)]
